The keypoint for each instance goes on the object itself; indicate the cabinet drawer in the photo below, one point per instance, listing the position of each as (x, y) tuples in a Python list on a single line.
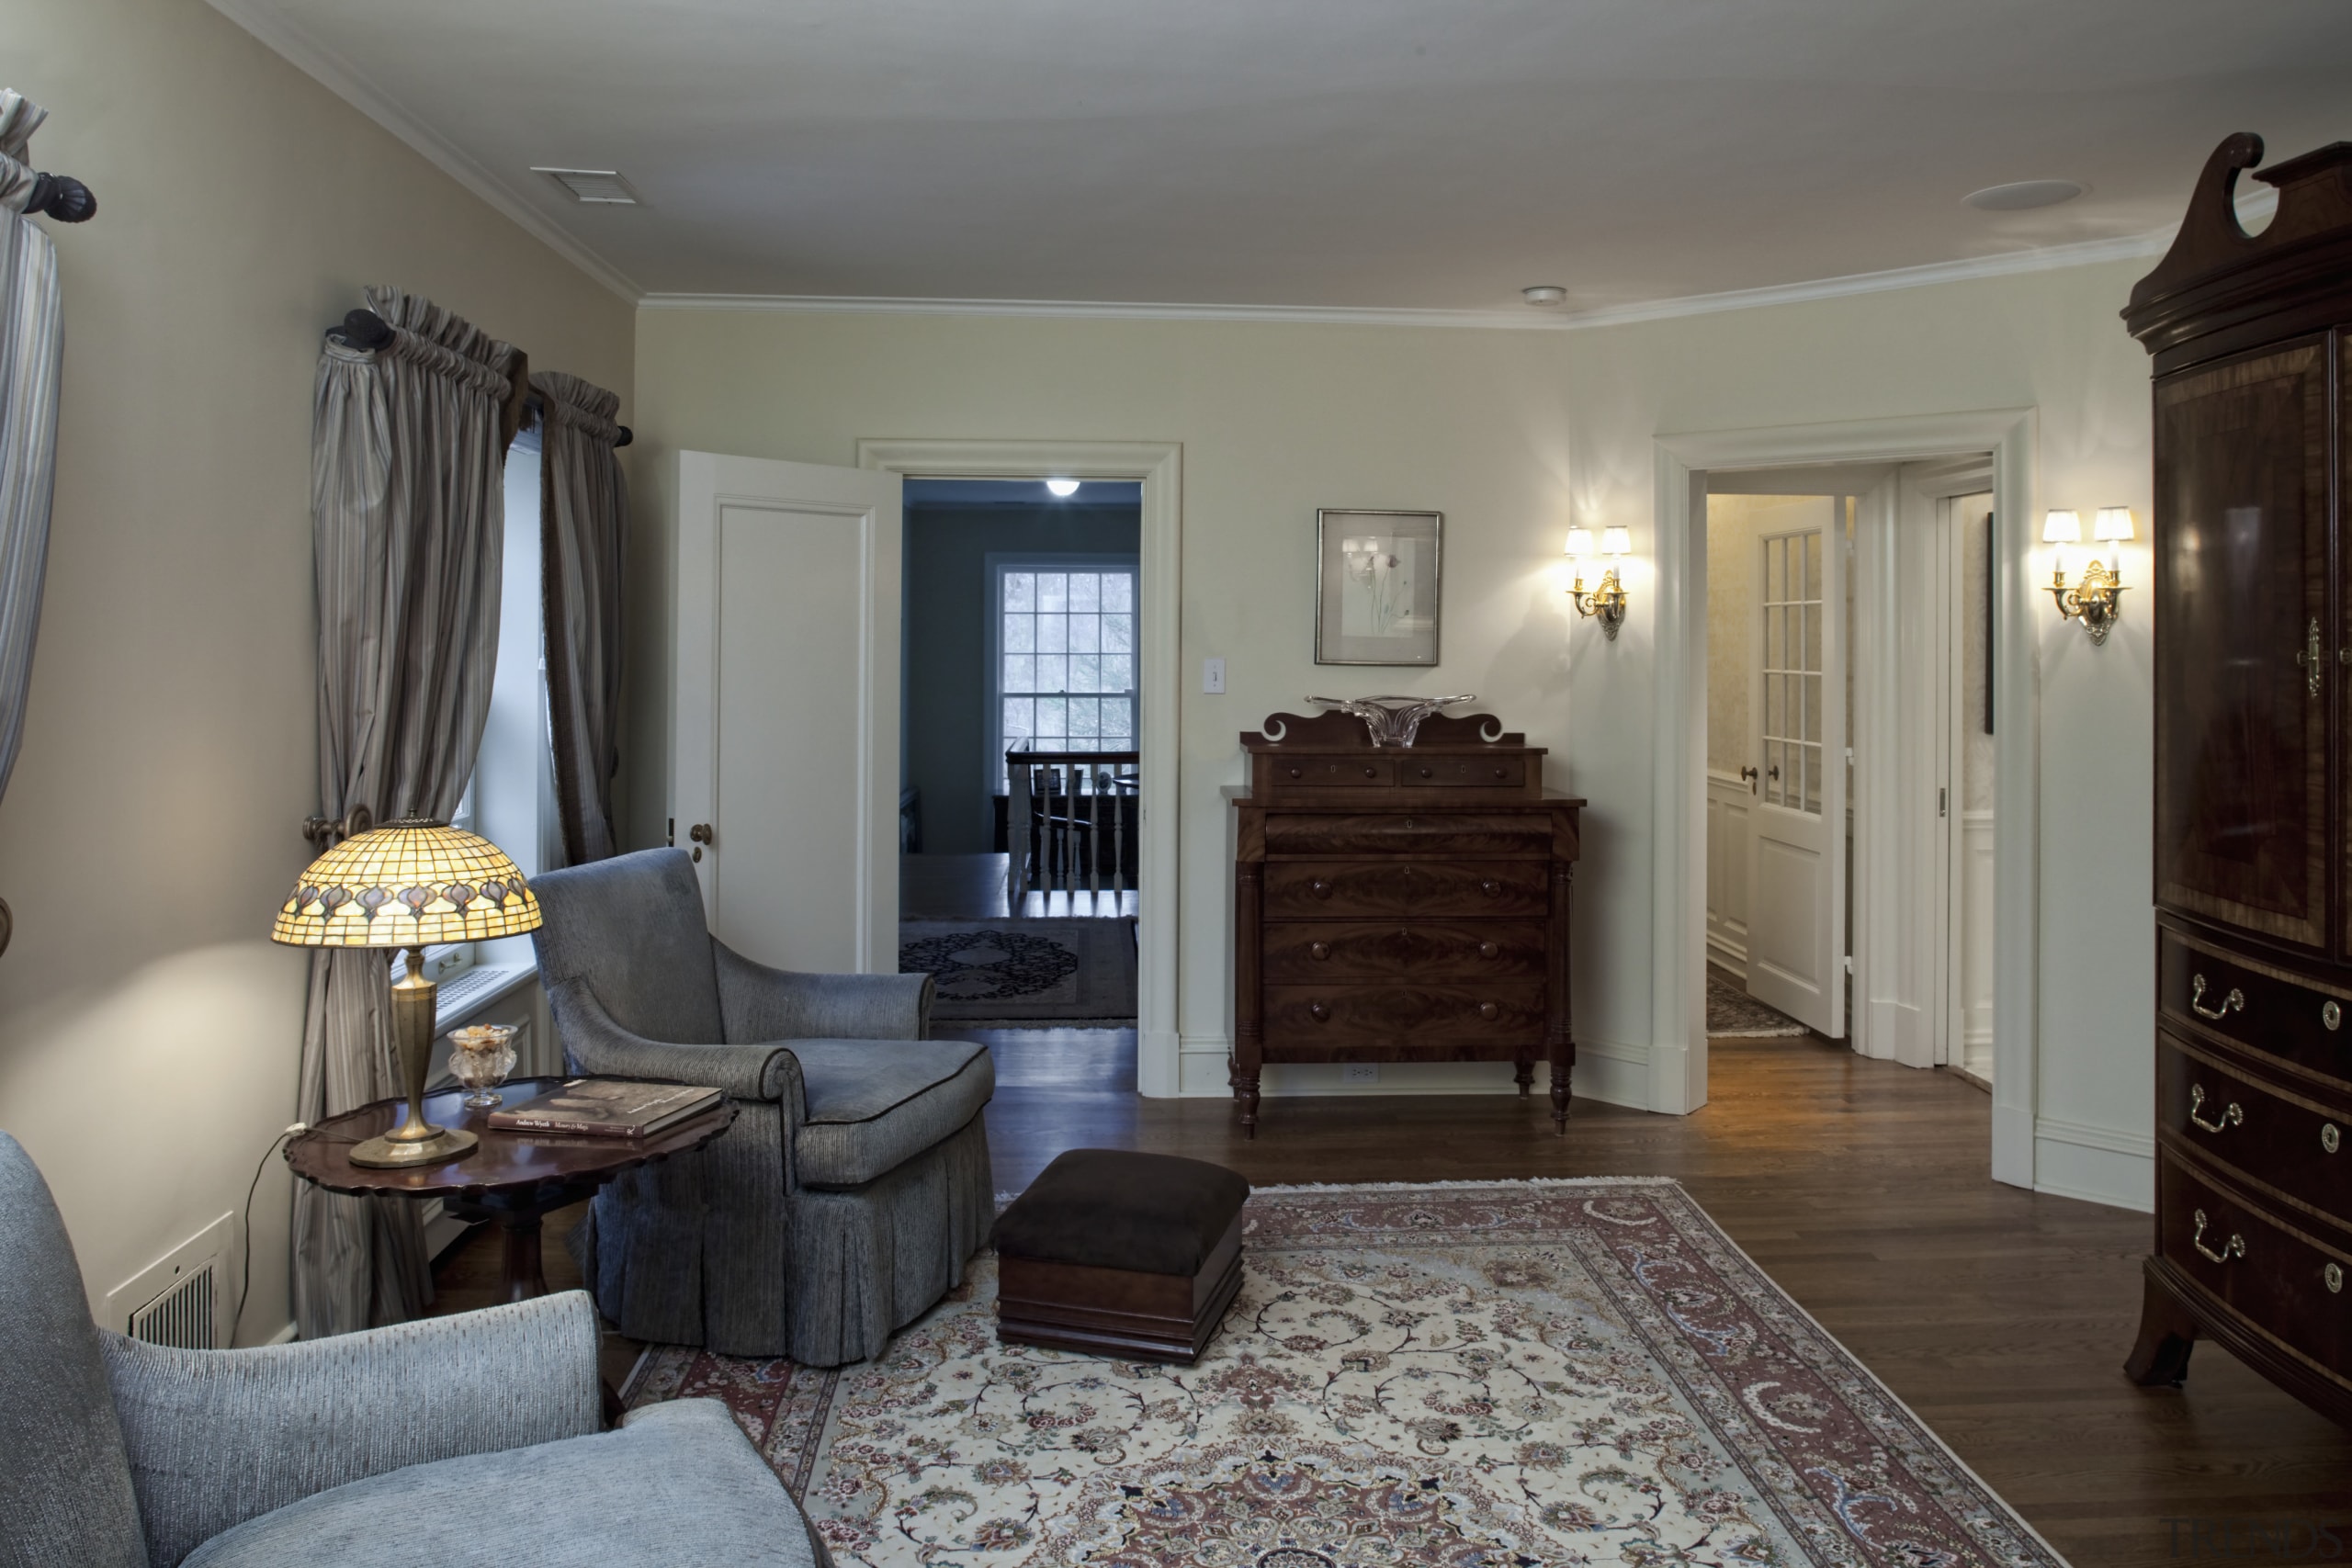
[(1337, 890), (1332, 1018), (2257, 1005), (1336, 772), (2274, 1137), (1395, 833), (1461, 773), (2280, 1280), (1323, 953)]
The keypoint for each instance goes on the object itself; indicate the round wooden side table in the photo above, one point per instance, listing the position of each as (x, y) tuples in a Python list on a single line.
[(516, 1179)]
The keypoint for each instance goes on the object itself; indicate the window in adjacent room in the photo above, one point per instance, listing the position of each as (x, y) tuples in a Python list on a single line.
[(1064, 667)]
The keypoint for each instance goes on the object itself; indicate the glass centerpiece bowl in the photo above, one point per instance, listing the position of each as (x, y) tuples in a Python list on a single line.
[(480, 1055)]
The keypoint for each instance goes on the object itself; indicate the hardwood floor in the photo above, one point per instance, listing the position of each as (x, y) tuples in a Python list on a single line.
[(2001, 1316)]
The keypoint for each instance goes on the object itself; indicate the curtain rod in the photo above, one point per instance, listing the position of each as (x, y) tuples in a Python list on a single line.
[(365, 330)]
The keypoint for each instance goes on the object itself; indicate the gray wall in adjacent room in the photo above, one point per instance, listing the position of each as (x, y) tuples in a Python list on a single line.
[(947, 644)]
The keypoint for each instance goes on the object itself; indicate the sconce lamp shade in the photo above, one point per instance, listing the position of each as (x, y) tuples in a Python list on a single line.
[(2112, 523), (1580, 544), (1616, 542), (2061, 528), (413, 882)]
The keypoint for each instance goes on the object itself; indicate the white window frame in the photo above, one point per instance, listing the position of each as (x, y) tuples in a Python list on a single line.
[(995, 564)]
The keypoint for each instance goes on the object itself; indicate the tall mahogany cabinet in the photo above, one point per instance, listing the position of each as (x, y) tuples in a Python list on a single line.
[(2252, 607)]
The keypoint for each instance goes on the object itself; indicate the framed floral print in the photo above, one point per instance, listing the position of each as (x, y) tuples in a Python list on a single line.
[(1376, 600)]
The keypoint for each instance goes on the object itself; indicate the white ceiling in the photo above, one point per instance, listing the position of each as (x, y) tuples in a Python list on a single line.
[(1366, 153)]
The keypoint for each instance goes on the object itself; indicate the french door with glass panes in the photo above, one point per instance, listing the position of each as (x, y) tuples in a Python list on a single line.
[(1064, 660), (1796, 940)]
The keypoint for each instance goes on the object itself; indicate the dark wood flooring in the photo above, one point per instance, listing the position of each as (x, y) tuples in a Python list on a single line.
[(2001, 1316)]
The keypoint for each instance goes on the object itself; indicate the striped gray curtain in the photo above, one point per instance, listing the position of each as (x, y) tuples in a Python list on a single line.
[(583, 531), (30, 339), (408, 448)]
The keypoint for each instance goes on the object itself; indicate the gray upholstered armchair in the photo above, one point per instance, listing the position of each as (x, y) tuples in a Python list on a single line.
[(116, 1454), (854, 1183)]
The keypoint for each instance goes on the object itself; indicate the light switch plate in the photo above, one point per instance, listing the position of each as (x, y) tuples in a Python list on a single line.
[(1213, 677), (1360, 1072)]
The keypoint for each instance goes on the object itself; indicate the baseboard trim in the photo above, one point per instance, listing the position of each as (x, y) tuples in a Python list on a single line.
[(2095, 1164)]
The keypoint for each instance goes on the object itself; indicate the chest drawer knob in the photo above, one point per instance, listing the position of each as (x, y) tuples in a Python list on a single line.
[(2234, 1248), (1372, 772), (2234, 1116), (1320, 1012), (2329, 1138), (2333, 1277), (1490, 887), (1319, 889), (1502, 772), (1318, 951), (1489, 950), (2331, 1016), (1297, 772), (1489, 1011), (2234, 1002), (1428, 774)]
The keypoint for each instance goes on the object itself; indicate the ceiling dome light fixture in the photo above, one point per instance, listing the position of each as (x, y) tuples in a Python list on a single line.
[(2019, 196), (1062, 488), (1545, 294)]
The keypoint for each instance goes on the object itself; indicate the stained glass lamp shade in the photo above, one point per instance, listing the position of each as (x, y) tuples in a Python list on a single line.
[(411, 883)]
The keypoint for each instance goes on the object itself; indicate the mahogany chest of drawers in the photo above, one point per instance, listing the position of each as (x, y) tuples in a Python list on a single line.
[(2251, 602), (1400, 904)]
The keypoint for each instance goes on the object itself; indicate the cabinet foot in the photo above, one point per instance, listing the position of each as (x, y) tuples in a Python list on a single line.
[(1244, 1095), (1559, 1103), (2167, 1334), (1525, 1077)]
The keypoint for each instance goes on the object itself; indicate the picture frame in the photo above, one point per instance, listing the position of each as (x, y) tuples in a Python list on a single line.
[(1378, 575)]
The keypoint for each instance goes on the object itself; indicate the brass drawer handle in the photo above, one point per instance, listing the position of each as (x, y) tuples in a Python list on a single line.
[(2333, 1277), (2331, 1016), (1318, 951), (2234, 1116), (1320, 1012), (1319, 889), (2329, 1138), (2234, 1247), (2310, 658), (1489, 1011), (1489, 950), (2234, 1002)]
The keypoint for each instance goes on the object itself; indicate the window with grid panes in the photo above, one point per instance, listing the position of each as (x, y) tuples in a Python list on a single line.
[(1065, 659), (1792, 694)]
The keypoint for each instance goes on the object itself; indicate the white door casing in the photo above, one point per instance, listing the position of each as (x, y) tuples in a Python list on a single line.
[(786, 706), (1796, 924)]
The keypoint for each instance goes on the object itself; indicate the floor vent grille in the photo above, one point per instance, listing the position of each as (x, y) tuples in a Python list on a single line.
[(186, 1314)]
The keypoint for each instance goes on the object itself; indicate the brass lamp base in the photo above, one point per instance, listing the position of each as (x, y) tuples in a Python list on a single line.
[(414, 1141), (388, 1153)]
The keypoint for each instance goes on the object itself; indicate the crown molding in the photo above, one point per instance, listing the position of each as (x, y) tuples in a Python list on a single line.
[(337, 76), (1526, 319)]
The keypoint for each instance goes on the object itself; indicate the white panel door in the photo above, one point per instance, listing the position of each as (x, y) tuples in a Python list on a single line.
[(786, 704), (1796, 887)]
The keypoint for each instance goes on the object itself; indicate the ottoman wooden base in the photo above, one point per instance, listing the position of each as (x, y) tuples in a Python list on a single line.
[(1118, 1312)]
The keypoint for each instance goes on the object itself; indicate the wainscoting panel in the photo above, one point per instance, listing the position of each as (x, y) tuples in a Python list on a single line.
[(1727, 806)]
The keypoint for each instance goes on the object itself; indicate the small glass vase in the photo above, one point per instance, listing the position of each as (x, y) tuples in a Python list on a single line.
[(480, 1055)]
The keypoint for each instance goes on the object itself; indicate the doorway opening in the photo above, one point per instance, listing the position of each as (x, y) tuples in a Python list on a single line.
[(1849, 762), (1022, 753)]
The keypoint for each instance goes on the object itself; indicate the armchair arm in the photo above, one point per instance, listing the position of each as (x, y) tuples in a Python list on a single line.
[(756, 1002), (220, 1437), (594, 1044)]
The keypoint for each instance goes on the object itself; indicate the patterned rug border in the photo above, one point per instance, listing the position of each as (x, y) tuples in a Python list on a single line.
[(1895, 1427)]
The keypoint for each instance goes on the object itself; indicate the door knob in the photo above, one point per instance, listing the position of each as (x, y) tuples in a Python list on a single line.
[(701, 834)]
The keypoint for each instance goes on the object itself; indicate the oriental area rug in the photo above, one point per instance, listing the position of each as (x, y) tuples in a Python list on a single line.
[(1476, 1375)]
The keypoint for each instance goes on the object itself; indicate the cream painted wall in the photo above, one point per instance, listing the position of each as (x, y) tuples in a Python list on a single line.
[(1512, 435), (149, 1030)]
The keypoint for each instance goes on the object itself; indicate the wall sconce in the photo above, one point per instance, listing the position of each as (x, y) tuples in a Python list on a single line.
[(2098, 599), (1607, 600)]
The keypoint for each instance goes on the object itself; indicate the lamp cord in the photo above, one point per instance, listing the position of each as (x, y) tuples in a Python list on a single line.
[(246, 1274)]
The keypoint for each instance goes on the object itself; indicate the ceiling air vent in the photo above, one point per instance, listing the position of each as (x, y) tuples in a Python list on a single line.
[(601, 188)]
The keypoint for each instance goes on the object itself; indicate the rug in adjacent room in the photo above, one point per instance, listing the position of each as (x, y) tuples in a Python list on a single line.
[(1480, 1375), (1025, 973), (1733, 1013)]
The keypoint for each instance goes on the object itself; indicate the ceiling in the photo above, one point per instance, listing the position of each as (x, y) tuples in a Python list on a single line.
[(1383, 155)]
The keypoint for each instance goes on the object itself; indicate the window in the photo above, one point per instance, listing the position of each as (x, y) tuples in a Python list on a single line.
[(1793, 626), (1064, 666)]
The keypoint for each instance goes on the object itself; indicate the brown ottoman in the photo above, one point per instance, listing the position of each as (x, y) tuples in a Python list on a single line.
[(1120, 1254)]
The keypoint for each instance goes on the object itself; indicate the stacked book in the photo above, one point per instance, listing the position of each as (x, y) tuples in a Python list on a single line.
[(608, 1108)]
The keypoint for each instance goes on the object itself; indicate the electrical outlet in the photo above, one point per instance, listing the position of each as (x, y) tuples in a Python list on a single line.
[(1213, 677), (1360, 1072)]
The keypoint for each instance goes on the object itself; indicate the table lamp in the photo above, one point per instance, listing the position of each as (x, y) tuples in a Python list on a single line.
[(410, 884)]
